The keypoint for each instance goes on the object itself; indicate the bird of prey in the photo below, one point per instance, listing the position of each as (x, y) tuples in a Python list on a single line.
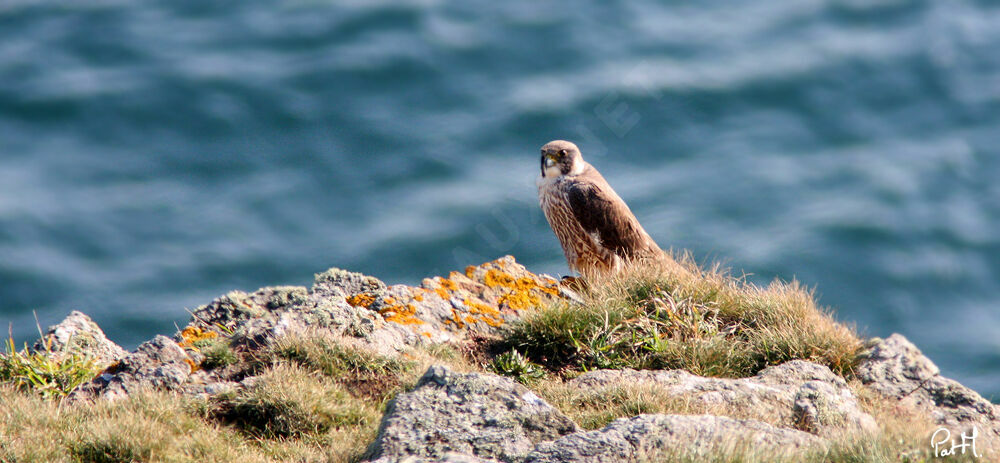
[(597, 230)]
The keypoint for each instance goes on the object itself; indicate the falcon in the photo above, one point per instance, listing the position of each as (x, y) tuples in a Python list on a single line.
[(597, 230)]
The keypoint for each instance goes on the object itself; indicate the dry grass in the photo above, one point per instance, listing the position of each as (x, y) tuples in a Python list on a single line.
[(317, 398), (307, 403), (681, 316)]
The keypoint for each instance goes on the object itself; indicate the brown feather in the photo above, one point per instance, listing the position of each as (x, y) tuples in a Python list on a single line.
[(597, 230)]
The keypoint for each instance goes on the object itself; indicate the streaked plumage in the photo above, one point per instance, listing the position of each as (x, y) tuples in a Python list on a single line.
[(597, 230)]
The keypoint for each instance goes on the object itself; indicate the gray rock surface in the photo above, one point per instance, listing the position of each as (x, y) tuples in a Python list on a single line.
[(387, 319), (486, 416), (159, 363), (895, 368), (78, 335), (451, 457), (675, 435), (794, 394)]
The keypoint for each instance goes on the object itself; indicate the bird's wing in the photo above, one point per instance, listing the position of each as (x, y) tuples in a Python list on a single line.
[(603, 214)]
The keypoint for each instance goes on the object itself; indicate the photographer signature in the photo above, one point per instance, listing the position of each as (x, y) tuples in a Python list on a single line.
[(942, 439)]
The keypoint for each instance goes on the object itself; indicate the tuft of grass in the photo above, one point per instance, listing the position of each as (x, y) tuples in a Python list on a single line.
[(290, 402), (514, 365), (50, 373), (367, 374), (114, 449), (677, 315), (218, 354)]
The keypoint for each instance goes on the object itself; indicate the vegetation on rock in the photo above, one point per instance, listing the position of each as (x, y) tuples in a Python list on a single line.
[(296, 374)]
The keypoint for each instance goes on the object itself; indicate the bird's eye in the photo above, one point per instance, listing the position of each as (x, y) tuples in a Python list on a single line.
[(562, 152)]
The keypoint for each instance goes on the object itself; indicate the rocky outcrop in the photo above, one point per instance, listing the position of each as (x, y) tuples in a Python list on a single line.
[(479, 417), (357, 308), (895, 368), (159, 363), (387, 318), (796, 394), (679, 436), (78, 335), (487, 416)]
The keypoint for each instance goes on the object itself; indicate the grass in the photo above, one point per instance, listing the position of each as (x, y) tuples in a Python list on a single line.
[(680, 316), (46, 372), (317, 398)]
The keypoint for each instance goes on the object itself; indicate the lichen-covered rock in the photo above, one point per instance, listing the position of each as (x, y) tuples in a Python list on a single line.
[(78, 335), (795, 394), (486, 416), (680, 436), (451, 457), (895, 368), (388, 318), (159, 363)]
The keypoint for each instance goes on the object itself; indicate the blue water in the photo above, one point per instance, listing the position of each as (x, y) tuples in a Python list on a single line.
[(154, 155)]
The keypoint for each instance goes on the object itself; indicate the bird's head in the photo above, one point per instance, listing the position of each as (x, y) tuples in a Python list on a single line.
[(561, 157)]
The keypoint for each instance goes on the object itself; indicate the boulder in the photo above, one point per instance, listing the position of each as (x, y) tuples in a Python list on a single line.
[(679, 436), (78, 335), (895, 368), (159, 363), (482, 415), (795, 394)]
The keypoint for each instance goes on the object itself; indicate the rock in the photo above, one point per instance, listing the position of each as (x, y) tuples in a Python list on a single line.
[(487, 416), (159, 363), (388, 318), (895, 368), (450, 457), (794, 394), (78, 335), (680, 436)]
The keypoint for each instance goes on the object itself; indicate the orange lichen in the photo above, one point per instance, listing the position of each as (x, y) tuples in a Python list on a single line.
[(491, 321), (402, 315), (193, 334), (194, 366), (445, 287), (519, 300), (495, 278), (455, 319), (418, 297), (470, 271), (488, 314), (361, 300), (427, 334)]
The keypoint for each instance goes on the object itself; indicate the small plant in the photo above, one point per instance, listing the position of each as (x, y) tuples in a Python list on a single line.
[(514, 365), (218, 354), (50, 373)]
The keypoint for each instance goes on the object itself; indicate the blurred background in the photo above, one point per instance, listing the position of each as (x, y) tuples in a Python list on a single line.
[(155, 155)]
